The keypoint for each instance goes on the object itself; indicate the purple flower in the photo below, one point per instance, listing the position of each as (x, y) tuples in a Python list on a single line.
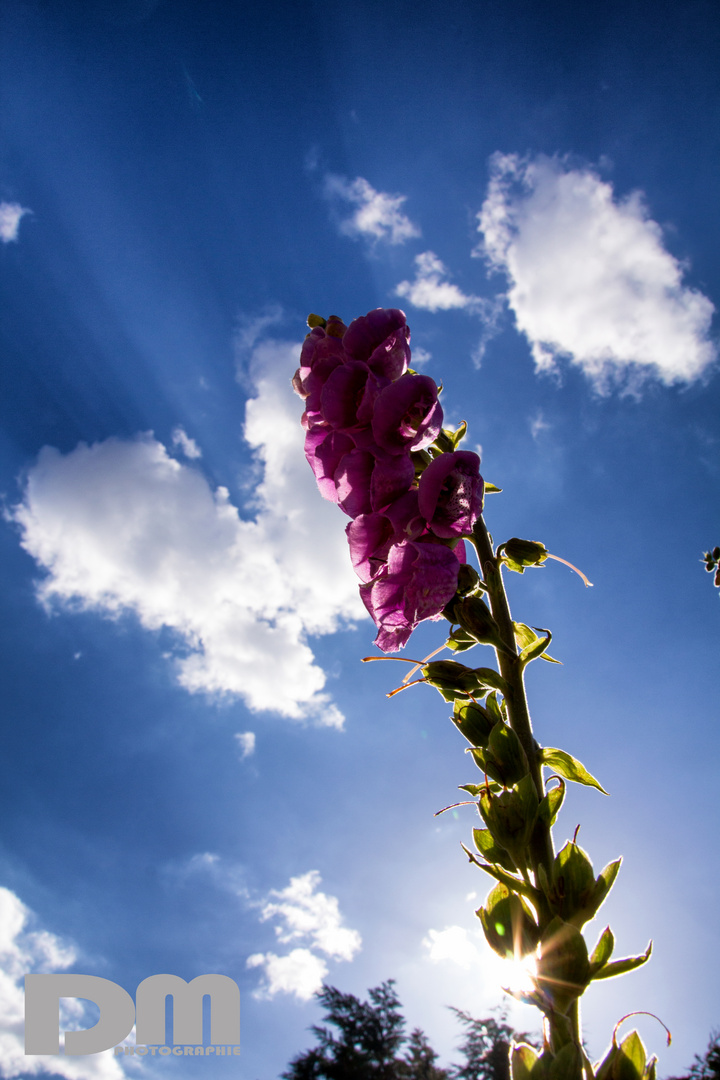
[(370, 537), (380, 338), (407, 414), (450, 493), (369, 481), (417, 583), (349, 394), (324, 451)]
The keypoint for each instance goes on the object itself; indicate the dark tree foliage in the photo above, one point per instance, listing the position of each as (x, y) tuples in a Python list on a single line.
[(707, 1067), (486, 1047), (370, 1035)]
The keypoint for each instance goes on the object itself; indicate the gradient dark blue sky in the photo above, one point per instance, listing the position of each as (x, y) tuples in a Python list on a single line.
[(174, 162)]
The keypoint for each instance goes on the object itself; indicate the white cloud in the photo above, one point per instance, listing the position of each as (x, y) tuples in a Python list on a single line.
[(538, 424), (246, 742), (312, 919), (301, 973), (24, 951), (589, 277), (305, 913), (420, 357), (10, 217), (120, 527), (430, 292), (377, 215), (454, 944), (185, 444)]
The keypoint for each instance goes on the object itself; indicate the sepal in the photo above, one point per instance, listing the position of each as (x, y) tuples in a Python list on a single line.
[(626, 1061), (602, 951), (473, 721), (620, 967), (509, 925), (504, 759), (563, 970), (491, 851)]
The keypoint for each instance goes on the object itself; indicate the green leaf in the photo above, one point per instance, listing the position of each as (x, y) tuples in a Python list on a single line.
[(550, 805), (478, 789), (522, 1059), (526, 635), (458, 434), (512, 883), (569, 767), (490, 489), (620, 967), (460, 640), (603, 885), (490, 851), (602, 951), (535, 648)]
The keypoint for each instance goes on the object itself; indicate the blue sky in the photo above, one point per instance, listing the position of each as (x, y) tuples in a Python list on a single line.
[(197, 773)]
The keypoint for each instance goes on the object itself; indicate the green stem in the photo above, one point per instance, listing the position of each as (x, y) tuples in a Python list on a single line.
[(511, 670)]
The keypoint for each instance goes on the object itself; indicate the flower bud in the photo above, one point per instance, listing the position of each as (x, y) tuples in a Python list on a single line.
[(474, 615), (508, 923), (572, 884), (504, 759), (518, 554), (564, 966), (510, 816), (473, 722)]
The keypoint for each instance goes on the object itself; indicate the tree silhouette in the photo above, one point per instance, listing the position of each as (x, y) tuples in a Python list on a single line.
[(370, 1035), (708, 1066)]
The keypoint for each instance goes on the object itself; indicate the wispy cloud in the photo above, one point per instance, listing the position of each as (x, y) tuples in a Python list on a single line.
[(246, 742), (377, 214), (589, 277), (431, 291), (11, 215), (538, 424), (185, 444), (311, 919), (120, 526), (22, 951)]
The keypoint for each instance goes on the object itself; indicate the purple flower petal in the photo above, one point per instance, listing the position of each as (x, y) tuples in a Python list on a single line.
[(450, 493), (370, 537), (324, 451), (352, 481), (407, 415), (380, 338), (392, 477), (349, 394), (420, 579)]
